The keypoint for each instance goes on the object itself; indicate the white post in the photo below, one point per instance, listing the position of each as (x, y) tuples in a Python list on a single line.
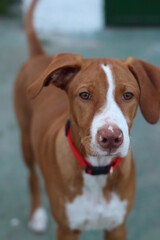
[(68, 15)]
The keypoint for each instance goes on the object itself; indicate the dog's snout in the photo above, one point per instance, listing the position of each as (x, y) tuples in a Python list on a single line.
[(109, 137)]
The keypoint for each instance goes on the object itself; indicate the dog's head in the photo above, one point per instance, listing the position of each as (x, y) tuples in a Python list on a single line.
[(104, 95)]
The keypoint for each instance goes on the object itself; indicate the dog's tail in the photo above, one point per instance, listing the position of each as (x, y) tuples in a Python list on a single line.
[(35, 47)]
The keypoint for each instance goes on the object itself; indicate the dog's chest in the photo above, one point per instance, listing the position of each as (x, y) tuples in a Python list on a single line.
[(90, 210)]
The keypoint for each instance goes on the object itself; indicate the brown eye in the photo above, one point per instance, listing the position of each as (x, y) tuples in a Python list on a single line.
[(127, 96), (85, 95)]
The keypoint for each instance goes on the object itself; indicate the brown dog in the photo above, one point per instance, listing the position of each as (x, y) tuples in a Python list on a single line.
[(89, 174)]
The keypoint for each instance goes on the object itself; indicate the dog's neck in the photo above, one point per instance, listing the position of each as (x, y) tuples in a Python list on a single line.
[(99, 160), (76, 138)]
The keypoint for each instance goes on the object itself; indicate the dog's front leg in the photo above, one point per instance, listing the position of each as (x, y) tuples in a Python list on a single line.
[(116, 234), (66, 234)]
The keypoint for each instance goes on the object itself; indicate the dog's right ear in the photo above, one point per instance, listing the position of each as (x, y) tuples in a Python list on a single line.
[(59, 72)]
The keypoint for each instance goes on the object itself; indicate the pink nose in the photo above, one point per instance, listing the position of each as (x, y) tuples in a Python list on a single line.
[(110, 137)]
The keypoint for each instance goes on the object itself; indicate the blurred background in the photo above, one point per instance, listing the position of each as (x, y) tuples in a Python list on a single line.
[(92, 28)]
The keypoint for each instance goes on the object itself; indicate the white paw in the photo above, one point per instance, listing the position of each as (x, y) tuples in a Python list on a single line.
[(39, 220)]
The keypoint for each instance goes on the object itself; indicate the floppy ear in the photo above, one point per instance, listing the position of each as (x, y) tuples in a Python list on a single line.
[(148, 78), (59, 72)]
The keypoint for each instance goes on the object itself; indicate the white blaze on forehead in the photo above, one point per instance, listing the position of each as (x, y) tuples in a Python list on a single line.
[(110, 114)]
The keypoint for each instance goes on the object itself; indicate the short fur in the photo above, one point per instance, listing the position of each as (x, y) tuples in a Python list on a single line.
[(42, 122)]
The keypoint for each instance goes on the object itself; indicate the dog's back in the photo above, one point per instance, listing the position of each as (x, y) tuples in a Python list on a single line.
[(36, 116), (53, 102)]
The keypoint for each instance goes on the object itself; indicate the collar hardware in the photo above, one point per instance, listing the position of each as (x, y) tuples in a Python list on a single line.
[(98, 170)]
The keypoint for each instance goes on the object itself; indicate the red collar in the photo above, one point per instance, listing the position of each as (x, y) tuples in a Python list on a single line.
[(92, 170)]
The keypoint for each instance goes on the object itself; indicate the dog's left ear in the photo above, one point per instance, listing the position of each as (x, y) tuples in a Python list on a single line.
[(148, 78), (59, 72)]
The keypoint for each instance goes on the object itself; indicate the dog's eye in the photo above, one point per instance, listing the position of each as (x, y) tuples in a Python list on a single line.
[(85, 95), (127, 96)]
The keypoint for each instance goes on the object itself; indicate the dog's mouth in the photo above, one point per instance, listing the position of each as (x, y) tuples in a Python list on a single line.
[(95, 154), (95, 151)]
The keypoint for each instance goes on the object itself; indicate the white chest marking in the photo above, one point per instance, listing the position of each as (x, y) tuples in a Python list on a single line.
[(91, 210), (110, 114)]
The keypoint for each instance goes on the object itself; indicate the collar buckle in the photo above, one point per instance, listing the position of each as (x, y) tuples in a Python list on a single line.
[(98, 170)]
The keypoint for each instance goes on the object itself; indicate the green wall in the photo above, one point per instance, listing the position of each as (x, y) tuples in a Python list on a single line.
[(132, 12)]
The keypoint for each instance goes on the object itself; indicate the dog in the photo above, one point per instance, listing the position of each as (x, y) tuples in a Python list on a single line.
[(75, 117)]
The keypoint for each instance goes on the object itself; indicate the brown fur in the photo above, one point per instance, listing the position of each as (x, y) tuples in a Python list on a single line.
[(42, 122)]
